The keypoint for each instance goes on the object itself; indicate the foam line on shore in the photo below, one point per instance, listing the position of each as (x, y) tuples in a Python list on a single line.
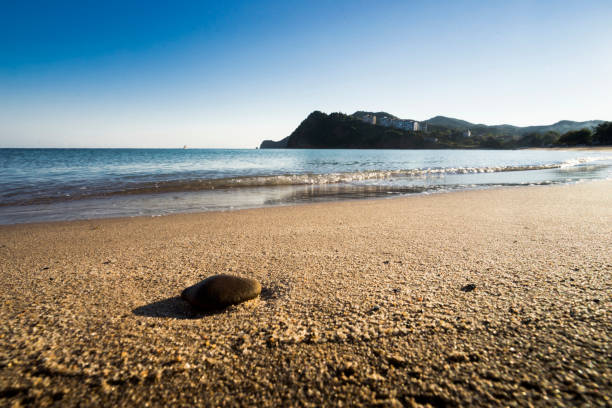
[(169, 186)]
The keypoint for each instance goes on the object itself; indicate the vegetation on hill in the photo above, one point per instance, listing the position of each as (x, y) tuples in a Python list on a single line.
[(451, 123), (360, 114), (576, 137), (271, 144), (341, 131), (509, 131), (603, 134)]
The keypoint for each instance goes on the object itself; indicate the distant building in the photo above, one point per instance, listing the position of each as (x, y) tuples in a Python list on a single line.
[(385, 121), (404, 124), (368, 118), (467, 133)]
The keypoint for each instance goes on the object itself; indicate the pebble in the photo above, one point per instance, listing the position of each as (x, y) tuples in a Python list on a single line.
[(469, 287), (220, 291)]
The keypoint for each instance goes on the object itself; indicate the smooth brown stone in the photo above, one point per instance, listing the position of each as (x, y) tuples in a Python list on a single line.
[(220, 291)]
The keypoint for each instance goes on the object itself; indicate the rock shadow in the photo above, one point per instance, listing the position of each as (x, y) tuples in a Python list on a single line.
[(173, 308), (273, 293), (269, 293)]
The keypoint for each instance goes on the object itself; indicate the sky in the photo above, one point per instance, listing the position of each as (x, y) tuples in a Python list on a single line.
[(231, 74)]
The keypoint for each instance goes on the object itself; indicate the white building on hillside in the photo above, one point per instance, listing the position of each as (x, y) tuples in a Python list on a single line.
[(404, 124), (368, 118)]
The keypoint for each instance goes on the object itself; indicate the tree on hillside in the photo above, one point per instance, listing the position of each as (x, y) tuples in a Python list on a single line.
[(603, 134), (491, 143), (577, 137), (537, 139)]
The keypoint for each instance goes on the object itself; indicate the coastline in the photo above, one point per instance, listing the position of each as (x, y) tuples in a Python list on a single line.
[(362, 304), (114, 184), (578, 149)]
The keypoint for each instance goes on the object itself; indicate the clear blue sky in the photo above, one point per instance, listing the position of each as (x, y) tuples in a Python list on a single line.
[(229, 74)]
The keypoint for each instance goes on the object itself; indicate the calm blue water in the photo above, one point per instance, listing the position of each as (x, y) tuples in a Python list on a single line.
[(61, 184)]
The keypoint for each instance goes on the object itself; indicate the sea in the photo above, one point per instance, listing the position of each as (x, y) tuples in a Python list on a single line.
[(68, 184)]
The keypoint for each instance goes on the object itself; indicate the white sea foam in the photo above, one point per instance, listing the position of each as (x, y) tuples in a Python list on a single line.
[(583, 160), (348, 177)]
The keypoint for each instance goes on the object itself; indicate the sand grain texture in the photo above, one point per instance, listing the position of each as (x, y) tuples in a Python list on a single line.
[(361, 305)]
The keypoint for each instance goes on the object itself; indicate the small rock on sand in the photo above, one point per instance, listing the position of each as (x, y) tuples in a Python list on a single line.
[(220, 291), (469, 287)]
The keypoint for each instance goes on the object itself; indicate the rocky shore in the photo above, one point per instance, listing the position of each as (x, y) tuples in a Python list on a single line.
[(498, 297)]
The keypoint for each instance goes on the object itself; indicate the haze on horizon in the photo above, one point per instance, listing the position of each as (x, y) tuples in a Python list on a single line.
[(230, 74)]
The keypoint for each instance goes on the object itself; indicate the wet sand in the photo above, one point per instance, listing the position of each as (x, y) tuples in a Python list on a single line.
[(364, 303)]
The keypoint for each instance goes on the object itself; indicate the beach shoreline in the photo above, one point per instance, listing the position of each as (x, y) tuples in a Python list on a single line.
[(575, 148), (293, 204), (100, 184), (364, 302)]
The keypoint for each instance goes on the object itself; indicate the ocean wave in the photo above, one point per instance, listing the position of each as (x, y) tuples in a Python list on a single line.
[(190, 185), (583, 160)]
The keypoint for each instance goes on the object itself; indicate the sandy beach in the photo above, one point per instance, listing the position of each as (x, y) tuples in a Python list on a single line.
[(484, 298)]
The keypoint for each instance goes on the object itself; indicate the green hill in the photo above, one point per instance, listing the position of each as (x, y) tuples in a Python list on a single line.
[(341, 131), (451, 123), (360, 114), (563, 126)]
